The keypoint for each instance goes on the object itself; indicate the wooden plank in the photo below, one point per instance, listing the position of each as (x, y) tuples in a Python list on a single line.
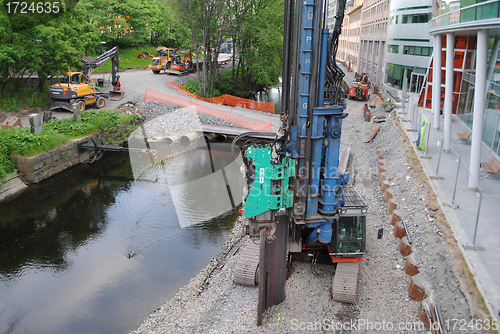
[(373, 135)]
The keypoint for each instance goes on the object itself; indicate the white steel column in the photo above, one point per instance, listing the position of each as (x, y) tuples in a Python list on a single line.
[(479, 103), (372, 56), (436, 79), (448, 90), (379, 62)]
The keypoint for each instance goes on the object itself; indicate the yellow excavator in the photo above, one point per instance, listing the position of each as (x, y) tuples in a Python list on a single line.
[(77, 88)]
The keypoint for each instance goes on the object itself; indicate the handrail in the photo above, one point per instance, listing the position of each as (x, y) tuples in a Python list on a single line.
[(434, 19)]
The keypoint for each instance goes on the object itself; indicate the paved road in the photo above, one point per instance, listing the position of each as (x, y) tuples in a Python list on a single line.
[(135, 83)]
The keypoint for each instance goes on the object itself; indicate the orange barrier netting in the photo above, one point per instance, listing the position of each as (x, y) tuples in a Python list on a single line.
[(228, 100), (265, 126)]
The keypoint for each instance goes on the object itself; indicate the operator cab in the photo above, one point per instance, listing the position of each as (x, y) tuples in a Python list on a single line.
[(349, 237)]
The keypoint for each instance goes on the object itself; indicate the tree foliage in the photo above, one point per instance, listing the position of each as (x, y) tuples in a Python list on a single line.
[(208, 21), (44, 49), (48, 45), (257, 32)]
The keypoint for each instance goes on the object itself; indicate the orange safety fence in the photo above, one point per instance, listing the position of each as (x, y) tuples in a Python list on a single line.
[(228, 100), (252, 124)]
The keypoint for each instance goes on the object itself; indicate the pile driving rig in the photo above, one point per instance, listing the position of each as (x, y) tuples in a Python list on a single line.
[(80, 89), (296, 199)]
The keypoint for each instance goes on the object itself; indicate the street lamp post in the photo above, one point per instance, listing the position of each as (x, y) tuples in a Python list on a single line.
[(102, 51)]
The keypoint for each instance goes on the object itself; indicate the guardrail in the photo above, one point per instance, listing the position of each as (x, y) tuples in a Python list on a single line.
[(478, 210), (476, 12)]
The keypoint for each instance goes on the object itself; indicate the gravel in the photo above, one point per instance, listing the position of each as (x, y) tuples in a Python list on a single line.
[(212, 303), (153, 110)]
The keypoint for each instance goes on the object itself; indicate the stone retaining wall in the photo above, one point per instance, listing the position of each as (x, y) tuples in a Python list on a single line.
[(44, 165)]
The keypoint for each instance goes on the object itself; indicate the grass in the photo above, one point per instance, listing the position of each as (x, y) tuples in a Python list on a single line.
[(194, 87), (114, 126), (129, 60), (30, 97)]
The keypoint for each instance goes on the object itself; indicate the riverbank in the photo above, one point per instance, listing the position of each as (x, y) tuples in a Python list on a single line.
[(36, 157)]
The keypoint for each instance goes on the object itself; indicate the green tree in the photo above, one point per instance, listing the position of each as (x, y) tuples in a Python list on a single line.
[(208, 21), (170, 28), (126, 23), (46, 49), (258, 36)]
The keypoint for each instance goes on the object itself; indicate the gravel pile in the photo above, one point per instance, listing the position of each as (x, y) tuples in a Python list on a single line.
[(212, 303), (153, 110)]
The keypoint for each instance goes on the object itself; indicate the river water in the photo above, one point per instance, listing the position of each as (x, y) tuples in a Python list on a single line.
[(273, 94), (63, 258)]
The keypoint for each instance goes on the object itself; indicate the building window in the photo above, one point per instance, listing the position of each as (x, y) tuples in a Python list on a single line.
[(416, 18), (417, 50), (393, 48)]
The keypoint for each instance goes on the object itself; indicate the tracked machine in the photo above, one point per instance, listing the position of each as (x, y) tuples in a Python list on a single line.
[(77, 88), (296, 198), (361, 88)]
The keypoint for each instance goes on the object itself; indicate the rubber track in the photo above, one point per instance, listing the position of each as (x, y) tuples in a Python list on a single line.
[(248, 263), (345, 282)]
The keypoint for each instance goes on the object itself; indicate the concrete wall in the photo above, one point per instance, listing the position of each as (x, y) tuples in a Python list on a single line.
[(44, 165)]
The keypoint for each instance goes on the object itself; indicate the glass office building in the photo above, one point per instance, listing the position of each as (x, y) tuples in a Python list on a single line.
[(409, 45), (465, 73)]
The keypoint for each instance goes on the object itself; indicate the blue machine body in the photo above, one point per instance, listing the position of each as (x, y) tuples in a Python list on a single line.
[(324, 183), (315, 128)]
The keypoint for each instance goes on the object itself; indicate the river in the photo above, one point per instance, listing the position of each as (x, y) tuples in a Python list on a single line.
[(64, 243)]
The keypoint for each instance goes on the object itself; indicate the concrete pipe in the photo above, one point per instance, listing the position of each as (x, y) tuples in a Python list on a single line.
[(190, 137), (171, 139), (209, 136)]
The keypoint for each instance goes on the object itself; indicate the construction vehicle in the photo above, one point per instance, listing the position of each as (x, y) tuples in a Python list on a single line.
[(361, 88), (181, 66), (296, 198), (77, 88), (163, 60)]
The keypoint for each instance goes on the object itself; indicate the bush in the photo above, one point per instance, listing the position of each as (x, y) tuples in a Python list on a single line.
[(6, 165), (9, 104), (193, 87), (28, 96), (21, 141)]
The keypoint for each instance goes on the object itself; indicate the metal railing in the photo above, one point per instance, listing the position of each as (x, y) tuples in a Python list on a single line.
[(476, 12), (477, 210)]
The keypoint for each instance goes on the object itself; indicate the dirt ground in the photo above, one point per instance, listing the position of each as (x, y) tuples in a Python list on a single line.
[(213, 303)]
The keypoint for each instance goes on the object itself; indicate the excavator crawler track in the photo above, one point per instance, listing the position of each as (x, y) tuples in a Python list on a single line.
[(245, 272), (345, 282)]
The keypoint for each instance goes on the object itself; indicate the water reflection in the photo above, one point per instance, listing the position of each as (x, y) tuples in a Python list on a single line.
[(39, 228), (272, 94), (63, 263)]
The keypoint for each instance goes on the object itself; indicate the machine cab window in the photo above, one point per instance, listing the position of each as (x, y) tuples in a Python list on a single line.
[(349, 239), (75, 79)]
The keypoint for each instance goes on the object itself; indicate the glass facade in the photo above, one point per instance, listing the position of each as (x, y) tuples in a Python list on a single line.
[(397, 75), (409, 44), (464, 65), (463, 11)]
